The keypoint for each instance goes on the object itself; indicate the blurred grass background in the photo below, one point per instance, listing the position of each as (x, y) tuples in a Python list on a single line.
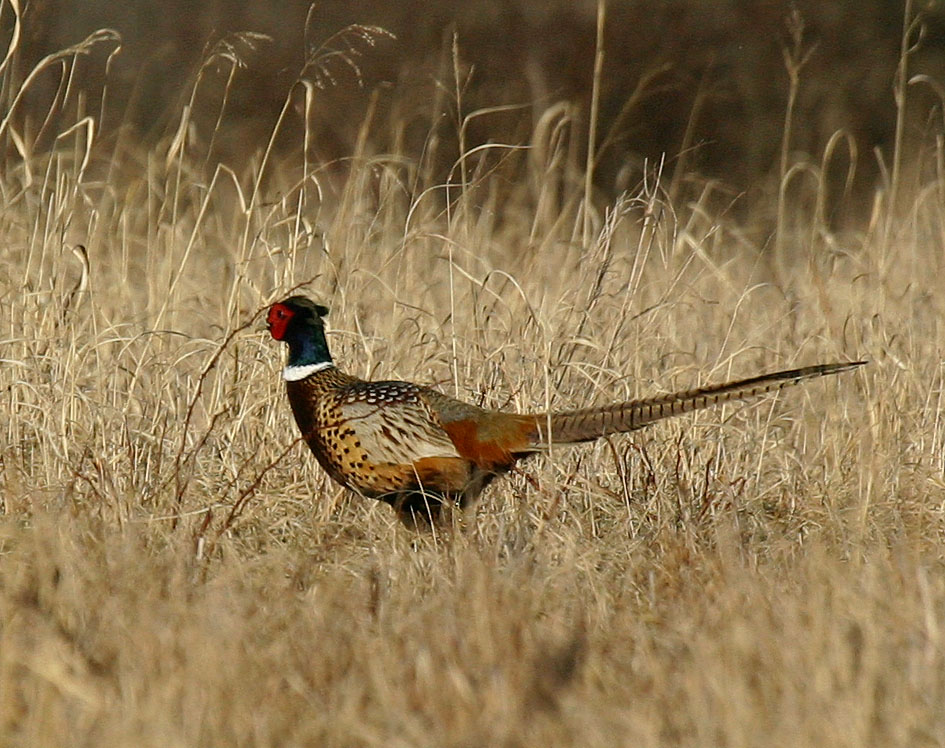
[(712, 78)]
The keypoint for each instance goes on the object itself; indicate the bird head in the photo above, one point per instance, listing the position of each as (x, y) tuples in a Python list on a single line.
[(296, 316)]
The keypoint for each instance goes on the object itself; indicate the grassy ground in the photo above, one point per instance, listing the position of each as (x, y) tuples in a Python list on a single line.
[(176, 570)]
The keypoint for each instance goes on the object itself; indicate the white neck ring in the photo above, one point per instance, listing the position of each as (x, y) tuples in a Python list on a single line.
[(295, 373)]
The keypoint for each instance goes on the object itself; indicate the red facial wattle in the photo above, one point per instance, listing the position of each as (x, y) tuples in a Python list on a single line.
[(278, 320)]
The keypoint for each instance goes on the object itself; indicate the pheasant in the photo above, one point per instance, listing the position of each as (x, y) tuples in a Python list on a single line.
[(418, 449)]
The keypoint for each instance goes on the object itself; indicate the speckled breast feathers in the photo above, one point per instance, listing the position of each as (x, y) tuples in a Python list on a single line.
[(377, 438)]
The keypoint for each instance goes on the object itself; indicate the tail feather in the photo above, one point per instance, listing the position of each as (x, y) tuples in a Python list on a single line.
[(569, 427)]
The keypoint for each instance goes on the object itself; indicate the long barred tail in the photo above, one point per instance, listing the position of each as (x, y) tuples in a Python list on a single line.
[(591, 423)]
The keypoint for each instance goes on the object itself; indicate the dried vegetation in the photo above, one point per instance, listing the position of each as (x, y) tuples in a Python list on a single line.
[(176, 570)]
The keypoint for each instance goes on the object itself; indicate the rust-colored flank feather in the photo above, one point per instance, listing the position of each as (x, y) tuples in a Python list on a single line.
[(417, 448)]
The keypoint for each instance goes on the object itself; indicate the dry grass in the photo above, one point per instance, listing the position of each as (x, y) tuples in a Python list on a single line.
[(766, 574)]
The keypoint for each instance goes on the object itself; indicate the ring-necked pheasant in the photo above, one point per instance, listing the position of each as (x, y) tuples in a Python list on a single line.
[(417, 448)]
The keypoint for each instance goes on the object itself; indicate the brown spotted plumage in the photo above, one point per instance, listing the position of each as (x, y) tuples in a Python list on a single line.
[(417, 448)]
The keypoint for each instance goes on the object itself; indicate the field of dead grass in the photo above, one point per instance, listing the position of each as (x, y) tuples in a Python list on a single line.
[(176, 570)]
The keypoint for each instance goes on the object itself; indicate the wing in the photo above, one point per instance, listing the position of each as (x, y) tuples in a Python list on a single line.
[(399, 444), (395, 426)]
